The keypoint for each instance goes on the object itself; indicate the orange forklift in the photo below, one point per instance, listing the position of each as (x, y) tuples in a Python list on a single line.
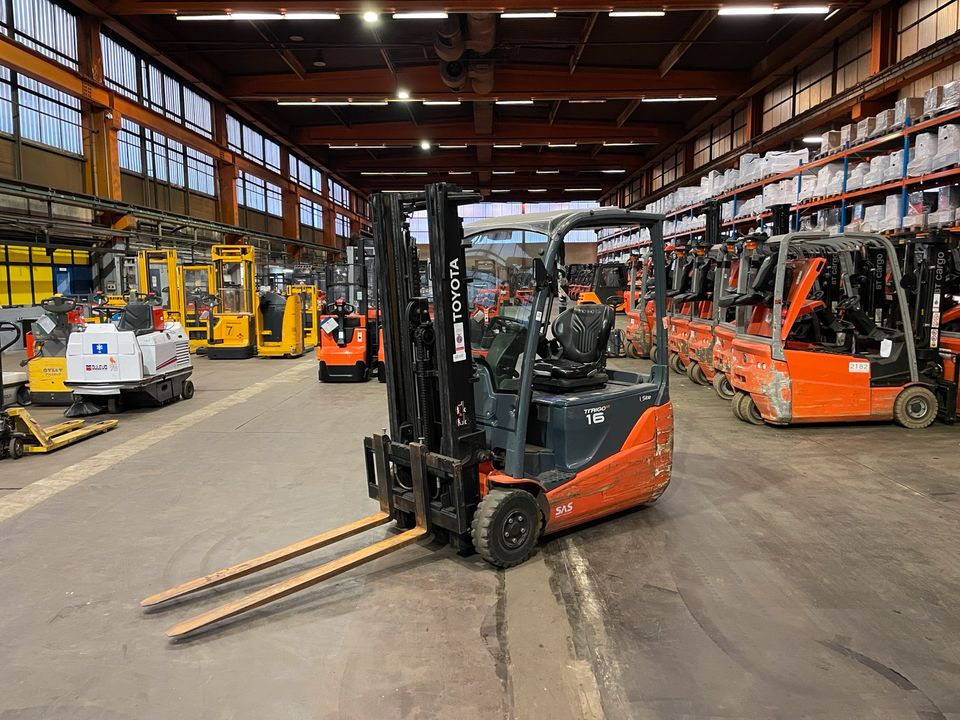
[(640, 329), (681, 275), (346, 349), (839, 332), (488, 453)]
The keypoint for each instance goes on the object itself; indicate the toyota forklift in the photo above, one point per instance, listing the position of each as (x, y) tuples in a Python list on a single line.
[(488, 453)]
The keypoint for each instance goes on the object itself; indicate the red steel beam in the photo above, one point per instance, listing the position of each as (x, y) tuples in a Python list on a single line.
[(567, 161), (512, 82), (462, 132)]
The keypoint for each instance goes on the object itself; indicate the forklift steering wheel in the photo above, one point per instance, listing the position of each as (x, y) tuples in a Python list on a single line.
[(104, 311), (208, 299), (150, 299), (59, 305), (340, 309)]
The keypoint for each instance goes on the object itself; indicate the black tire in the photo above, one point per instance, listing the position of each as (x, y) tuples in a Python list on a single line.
[(676, 365), (735, 405), (186, 392), (915, 407), (114, 405), (23, 396), (506, 527), (632, 351), (749, 410), (15, 448), (322, 375), (652, 353), (695, 373), (722, 386)]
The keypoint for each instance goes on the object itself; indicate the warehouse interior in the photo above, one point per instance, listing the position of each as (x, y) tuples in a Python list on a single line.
[(462, 359)]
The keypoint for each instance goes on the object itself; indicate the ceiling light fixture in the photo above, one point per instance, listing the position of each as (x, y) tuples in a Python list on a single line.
[(523, 15), (426, 15), (700, 98), (832, 13), (356, 147), (506, 147), (586, 102), (588, 189), (636, 13), (424, 144), (803, 10), (500, 190), (514, 102), (390, 172), (747, 10), (813, 140), (548, 172), (334, 103), (613, 172), (371, 17), (441, 102), (625, 143), (460, 172), (452, 147), (403, 94), (561, 145), (261, 16), (311, 16), (504, 172), (537, 190)]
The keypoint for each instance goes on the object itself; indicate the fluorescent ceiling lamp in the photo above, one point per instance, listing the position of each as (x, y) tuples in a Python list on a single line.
[(703, 98), (561, 145), (586, 102), (514, 102), (620, 144), (537, 190), (335, 103), (613, 172), (452, 147), (520, 15), (388, 172), (356, 147), (582, 189), (460, 172), (424, 144), (441, 102), (435, 15), (262, 16), (636, 13), (371, 17), (548, 172), (403, 94), (500, 191), (803, 10), (504, 172), (747, 10), (506, 147), (813, 140)]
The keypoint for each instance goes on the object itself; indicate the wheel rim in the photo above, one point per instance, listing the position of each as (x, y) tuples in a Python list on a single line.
[(754, 411), (725, 387), (516, 529), (917, 407)]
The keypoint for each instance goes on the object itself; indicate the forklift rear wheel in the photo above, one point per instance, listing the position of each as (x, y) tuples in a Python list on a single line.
[(652, 353), (675, 364), (187, 391), (15, 448), (735, 404), (506, 527), (23, 396), (723, 387), (749, 410), (695, 373), (632, 351), (915, 408)]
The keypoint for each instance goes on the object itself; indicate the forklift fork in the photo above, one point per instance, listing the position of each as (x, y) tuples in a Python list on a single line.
[(317, 574)]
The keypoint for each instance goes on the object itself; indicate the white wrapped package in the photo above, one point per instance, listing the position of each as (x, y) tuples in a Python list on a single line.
[(948, 147), (726, 211), (829, 180), (951, 97), (848, 134), (830, 141), (866, 127), (894, 170), (874, 175), (779, 193), (932, 99), (808, 187), (891, 213), (778, 162), (731, 179), (872, 218), (749, 168), (907, 108), (857, 175), (884, 121), (924, 152)]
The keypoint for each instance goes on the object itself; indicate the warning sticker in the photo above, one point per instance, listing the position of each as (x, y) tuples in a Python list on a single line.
[(459, 342), (860, 367)]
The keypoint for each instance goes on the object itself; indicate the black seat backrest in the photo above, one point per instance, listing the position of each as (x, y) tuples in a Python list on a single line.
[(137, 317), (766, 275), (272, 306), (505, 350), (583, 331)]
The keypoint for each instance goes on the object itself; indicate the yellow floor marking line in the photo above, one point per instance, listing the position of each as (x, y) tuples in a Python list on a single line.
[(36, 492)]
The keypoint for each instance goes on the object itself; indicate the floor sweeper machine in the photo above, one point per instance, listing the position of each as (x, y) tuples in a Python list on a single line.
[(491, 451), (141, 360)]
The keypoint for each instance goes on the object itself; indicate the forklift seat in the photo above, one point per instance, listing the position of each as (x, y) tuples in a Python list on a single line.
[(137, 317), (581, 334)]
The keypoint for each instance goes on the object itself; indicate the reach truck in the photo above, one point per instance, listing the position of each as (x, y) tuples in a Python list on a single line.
[(233, 327), (538, 437)]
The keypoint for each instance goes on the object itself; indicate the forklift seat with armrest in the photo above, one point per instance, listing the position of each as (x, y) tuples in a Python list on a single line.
[(581, 333), (137, 317)]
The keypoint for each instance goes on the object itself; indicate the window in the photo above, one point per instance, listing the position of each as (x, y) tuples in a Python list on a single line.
[(924, 22), (668, 170), (311, 214), (146, 152), (119, 68), (260, 195), (6, 102), (47, 28), (814, 84), (341, 226), (49, 116), (130, 146), (305, 175), (338, 193), (778, 105), (853, 60), (252, 145), (701, 150), (739, 128), (200, 172)]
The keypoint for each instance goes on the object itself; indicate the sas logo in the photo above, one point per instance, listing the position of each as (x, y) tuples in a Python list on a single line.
[(564, 509)]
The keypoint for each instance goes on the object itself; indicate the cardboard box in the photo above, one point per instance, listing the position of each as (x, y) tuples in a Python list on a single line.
[(907, 109)]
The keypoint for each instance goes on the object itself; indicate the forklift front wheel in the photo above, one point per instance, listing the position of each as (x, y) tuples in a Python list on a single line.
[(675, 364), (632, 351), (721, 383), (735, 404), (695, 373), (15, 448), (506, 527), (187, 391), (23, 396), (915, 407)]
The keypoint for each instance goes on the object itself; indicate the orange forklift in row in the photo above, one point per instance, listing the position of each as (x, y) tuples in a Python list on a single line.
[(488, 452), (849, 328)]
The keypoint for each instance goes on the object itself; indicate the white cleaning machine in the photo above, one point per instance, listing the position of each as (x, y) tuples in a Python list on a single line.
[(140, 360)]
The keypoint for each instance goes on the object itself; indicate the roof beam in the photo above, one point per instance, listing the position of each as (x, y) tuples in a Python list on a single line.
[(173, 7), (696, 29), (513, 82), (584, 39), (629, 110), (289, 59), (496, 159), (462, 132)]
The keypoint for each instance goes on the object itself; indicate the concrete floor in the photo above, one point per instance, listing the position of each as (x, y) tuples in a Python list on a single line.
[(786, 573)]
